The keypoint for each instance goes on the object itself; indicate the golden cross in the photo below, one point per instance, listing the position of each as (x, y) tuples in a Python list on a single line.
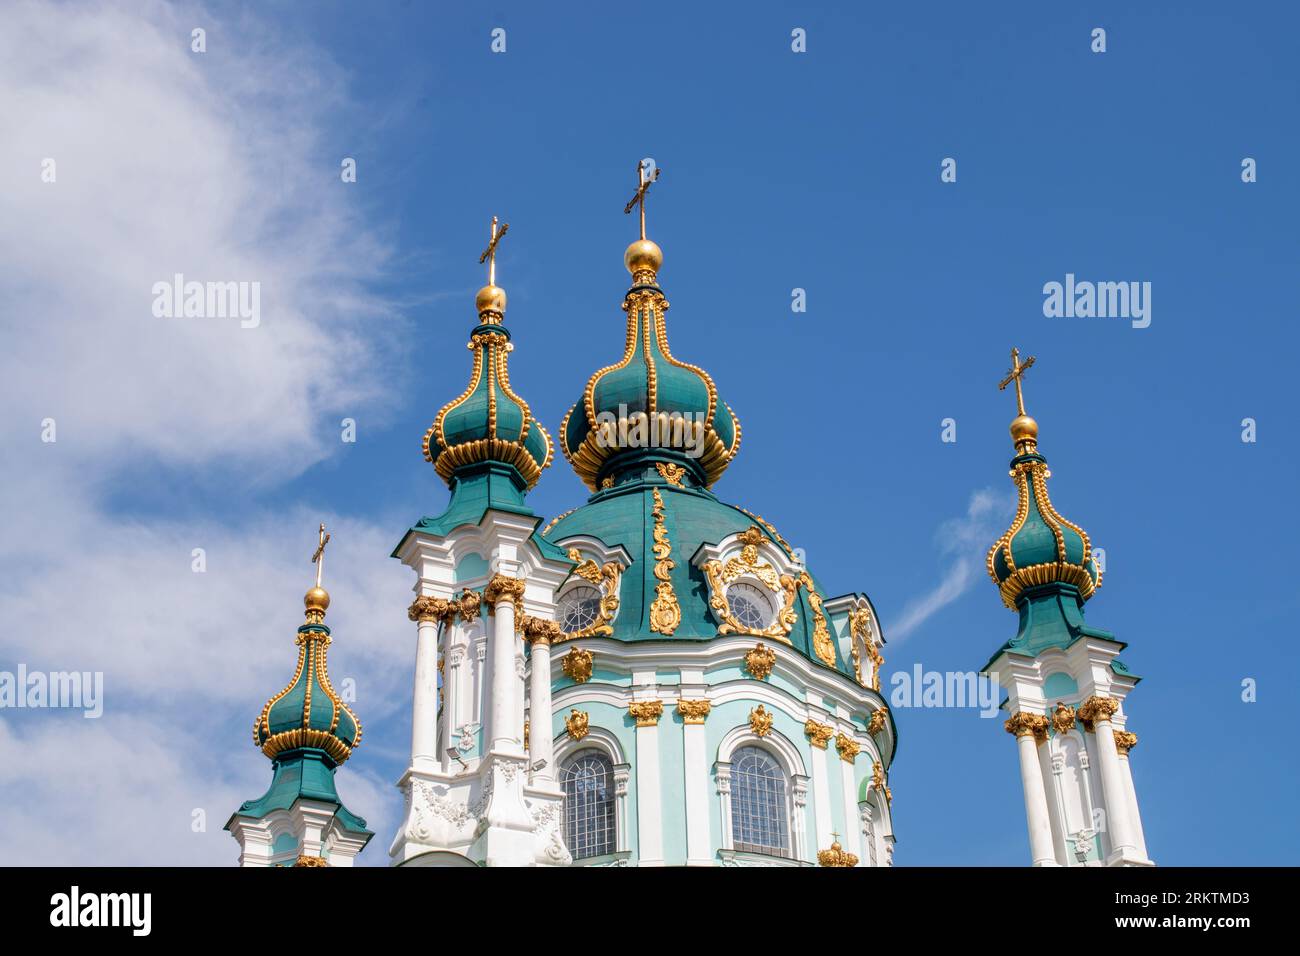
[(1015, 375), (490, 253), (318, 558), (638, 198)]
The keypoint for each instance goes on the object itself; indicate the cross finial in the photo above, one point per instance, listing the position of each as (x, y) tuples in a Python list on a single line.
[(638, 198), (318, 558), (1017, 372), (490, 253)]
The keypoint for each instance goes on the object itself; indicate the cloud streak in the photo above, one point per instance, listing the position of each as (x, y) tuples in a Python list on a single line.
[(963, 541)]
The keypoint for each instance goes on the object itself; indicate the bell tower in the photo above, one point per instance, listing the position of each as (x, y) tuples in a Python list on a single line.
[(1064, 682)]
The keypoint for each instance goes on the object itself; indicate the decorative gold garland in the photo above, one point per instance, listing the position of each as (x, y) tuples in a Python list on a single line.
[(665, 612)]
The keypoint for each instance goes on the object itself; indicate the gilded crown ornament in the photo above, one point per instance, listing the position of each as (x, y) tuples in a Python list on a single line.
[(760, 721), (577, 665), (836, 855)]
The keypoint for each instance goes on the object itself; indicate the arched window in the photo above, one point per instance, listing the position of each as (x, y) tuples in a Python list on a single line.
[(588, 781), (759, 821)]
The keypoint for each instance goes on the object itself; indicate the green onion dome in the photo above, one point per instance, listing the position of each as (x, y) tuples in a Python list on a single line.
[(309, 714), (488, 421), (1041, 547), (649, 405)]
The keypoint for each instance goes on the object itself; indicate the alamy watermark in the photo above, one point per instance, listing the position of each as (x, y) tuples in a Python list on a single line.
[(80, 690), (1102, 300), (208, 300), (922, 688), (683, 431)]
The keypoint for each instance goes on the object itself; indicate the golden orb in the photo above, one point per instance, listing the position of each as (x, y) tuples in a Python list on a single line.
[(490, 298), (643, 256), (317, 599), (1024, 428)]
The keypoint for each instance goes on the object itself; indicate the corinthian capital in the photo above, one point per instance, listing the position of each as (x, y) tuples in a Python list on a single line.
[(503, 588), (1097, 708), (1023, 724), (425, 608)]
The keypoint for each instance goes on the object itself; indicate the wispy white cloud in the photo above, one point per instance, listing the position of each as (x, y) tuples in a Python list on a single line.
[(963, 542), (212, 165)]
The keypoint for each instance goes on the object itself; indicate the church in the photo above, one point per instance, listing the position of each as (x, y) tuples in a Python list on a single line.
[(655, 678)]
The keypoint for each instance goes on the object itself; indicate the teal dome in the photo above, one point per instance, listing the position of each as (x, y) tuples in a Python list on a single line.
[(662, 525), (488, 421), (309, 713), (651, 400), (1041, 547)]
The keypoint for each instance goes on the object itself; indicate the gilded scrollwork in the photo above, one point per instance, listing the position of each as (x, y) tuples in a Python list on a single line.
[(847, 747), (823, 646), (760, 660), (693, 711), (749, 564), (665, 612), (606, 578), (646, 713)]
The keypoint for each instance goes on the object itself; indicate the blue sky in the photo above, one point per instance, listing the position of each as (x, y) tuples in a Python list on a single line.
[(818, 171)]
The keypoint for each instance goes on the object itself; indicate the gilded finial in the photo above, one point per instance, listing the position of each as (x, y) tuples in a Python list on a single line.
[(643, 257), (1024, 430), (491, 299), (317, 600)]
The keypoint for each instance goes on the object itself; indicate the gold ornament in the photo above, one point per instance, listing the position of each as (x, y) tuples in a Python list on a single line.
[(818, 734), (646, 712), (1097, 708), (693, 711), (878, 719), (665, 612), (305, 860), (670, 472), (878, 781), (836, 855), (606, 577), (577, 723), (760, 721), (760, 660), (748, 564), (822, 643), (501, 588), (847, 748), (527, 728), (1125, 741), (1023, 724), (577, 665), (1063, 718)]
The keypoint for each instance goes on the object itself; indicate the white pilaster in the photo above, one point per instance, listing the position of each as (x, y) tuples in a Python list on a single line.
[(649, 794), (849, 796), (821, 799), (697, 794), (541, 744), (1114, 788)]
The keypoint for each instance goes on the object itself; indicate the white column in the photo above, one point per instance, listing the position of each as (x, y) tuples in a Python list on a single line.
[(798, 834), (424, 706), (503, 717), (541, 744), (696, 780), (1134, 815), (649, 793), (1027, 728), (1113, 787)]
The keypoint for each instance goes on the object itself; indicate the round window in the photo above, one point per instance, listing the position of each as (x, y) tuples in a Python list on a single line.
[(749, 606), (579, 608)]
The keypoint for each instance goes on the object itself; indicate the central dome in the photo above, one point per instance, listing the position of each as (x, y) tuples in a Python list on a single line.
[(649, 406)]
